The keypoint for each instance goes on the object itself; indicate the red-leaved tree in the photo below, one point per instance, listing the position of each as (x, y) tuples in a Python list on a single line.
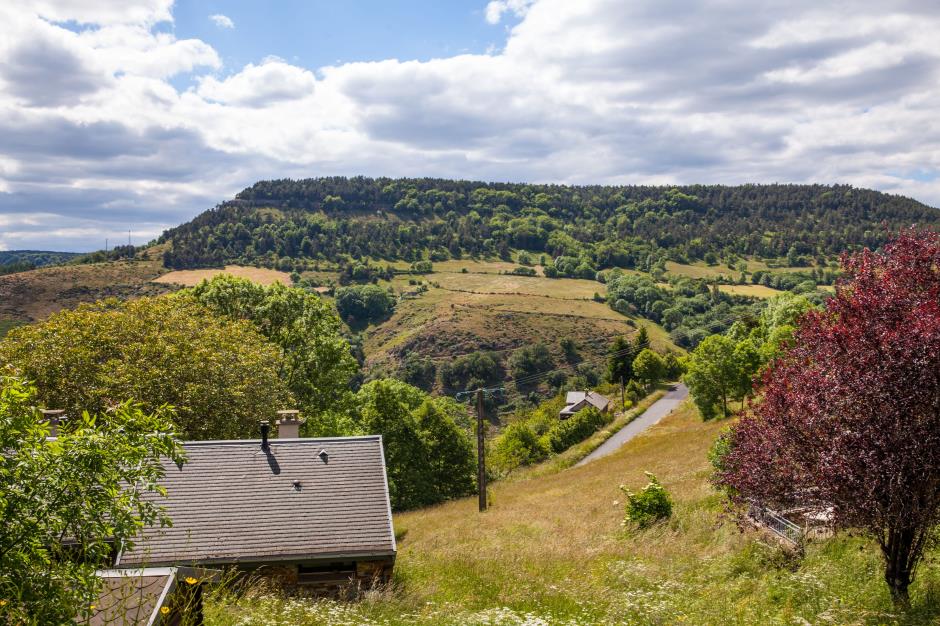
[(849, 417)]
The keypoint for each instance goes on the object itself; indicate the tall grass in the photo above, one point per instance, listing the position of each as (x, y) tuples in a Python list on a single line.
[(552, 550)]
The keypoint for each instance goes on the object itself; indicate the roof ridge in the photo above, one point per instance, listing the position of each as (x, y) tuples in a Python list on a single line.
[(298, 440)]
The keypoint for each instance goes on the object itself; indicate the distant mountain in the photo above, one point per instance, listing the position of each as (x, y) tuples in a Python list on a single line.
[(291, 224), (38, 258), (12, 261)]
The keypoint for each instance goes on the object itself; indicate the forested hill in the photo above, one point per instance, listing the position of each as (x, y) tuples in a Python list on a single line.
[(279, 222)]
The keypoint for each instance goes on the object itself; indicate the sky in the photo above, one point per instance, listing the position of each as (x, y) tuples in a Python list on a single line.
[(124, 115)]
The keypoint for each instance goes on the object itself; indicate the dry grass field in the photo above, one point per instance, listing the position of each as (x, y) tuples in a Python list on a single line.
[(191, 278), (755, 291), (461, 313), (552, 550), (33, 295)]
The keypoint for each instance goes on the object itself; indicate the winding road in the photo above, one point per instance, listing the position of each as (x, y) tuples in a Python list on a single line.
[(657, 411)]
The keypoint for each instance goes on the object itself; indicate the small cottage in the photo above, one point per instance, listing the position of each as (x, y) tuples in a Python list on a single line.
[(306, 511), (577, 400)]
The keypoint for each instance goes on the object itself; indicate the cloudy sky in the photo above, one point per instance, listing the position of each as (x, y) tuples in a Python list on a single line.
[(120, 115)]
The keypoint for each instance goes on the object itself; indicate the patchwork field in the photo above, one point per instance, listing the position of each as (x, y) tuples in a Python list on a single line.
[(191, 278), (463, 312)]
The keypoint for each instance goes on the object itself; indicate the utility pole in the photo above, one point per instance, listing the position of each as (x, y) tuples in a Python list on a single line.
[(481, 452), (623, 402)]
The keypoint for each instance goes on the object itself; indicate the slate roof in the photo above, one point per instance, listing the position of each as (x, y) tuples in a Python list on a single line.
[(574, 401), (235, 502)]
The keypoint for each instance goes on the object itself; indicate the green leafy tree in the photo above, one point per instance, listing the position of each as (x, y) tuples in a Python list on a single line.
[(649, 367), (221, 375), (361, 304), (92, 484), (713, 374), (620, 361), (318, 364), (428, 457)]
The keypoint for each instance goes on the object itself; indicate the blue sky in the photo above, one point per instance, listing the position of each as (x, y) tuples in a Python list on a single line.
[(120, 115), (318, 33)]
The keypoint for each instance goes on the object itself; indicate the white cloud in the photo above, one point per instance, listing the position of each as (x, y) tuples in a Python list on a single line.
[(222, 21), (595, 91), (496, 8), (259, 85)]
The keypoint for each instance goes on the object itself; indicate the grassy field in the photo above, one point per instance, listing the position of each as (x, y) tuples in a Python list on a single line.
[(701, 270), (33, 295), (464, 312), (190, 278), (552, 550), (755, 291)]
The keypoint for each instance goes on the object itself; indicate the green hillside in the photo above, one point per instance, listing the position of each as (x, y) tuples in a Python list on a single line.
[(295, 223), (552, 548)]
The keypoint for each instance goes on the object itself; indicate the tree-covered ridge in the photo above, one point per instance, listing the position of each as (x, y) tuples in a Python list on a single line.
[(603, 226)]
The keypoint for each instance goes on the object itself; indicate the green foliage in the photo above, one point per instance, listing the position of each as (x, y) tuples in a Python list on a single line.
[(565, 433), (361, 304), (221, 375), (648, 367), (518, 445), (714, 375), (472, 371), (422, 267), (93, 483), (418, 371), (587, 227), (318, 365), (620, 361), (429, 459), (650, 505), (569, 348), (530, 360)]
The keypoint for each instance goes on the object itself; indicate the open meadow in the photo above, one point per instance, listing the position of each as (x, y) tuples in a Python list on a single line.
[(552, 550)]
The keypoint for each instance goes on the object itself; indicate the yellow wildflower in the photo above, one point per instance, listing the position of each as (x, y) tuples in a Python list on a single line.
[(164, 609), (191, 581)]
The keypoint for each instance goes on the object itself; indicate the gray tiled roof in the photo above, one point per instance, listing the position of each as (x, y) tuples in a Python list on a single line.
[(232, 501)]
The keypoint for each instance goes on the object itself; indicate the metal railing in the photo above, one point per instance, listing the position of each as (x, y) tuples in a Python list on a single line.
[(778, 525)]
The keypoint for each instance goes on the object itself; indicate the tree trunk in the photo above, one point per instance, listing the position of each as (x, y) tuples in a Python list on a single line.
[(900, 559)]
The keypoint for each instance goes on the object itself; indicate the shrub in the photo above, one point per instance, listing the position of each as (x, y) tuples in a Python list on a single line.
[(650, 505), (518, 445), (578, 427)]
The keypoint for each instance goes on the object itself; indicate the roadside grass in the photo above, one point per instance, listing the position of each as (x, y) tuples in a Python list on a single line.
[(552, 550), (190, 278)]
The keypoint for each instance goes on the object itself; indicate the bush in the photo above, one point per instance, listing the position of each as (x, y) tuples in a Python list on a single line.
[(577, 428), (650, 505), (518, 445)]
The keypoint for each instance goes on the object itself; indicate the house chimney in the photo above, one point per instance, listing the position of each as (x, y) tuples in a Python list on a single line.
[(54, 417), (265, 429), (288, 426)]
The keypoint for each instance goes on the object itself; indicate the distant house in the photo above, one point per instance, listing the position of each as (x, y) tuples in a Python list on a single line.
[(577, 400), (150, 596), (304, 511)]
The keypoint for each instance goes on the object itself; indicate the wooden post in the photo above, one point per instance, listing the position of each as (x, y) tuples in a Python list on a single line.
[(481, 453)]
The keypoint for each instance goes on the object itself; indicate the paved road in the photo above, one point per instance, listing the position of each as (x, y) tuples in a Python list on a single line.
[(657, 411)]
